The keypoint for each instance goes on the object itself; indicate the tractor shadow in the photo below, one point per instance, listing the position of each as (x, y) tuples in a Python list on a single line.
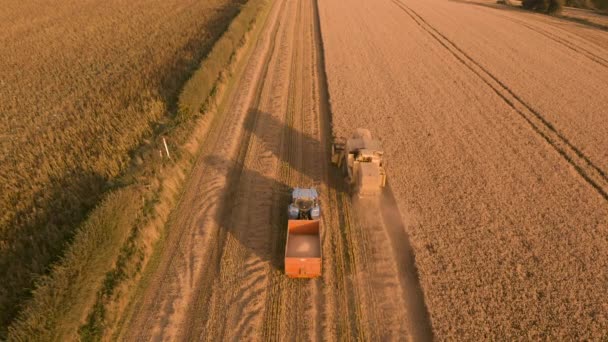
[(254, 208)]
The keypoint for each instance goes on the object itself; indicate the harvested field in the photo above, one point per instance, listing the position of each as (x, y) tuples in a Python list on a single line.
[(82, 83), (495, 125)]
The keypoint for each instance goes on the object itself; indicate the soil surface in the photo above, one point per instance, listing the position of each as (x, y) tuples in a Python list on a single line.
[(492, 226)]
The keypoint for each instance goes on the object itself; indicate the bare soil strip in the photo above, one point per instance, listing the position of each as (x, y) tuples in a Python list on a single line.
[(229, 299), (594, 175)]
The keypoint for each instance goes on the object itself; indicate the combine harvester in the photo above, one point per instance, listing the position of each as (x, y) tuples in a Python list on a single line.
[(303, 246), (361, 158)]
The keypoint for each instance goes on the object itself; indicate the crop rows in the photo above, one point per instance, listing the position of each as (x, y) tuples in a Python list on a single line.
[(83, 84), (497, 164)]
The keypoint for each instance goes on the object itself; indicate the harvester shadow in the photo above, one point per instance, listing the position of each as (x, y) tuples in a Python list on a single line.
[(255, 208), (254, 215), (389, 212), (279, 138), (245, 215)]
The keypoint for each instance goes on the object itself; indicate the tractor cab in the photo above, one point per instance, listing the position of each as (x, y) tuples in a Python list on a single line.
[(304, 204)]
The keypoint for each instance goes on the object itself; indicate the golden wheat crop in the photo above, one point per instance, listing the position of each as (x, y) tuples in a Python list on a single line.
[(82, 83)]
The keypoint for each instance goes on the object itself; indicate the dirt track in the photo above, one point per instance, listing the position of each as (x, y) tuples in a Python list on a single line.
[(497, 171)]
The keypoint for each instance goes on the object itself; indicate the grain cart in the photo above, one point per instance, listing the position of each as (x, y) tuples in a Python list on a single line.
[(361, 158), (303, 245)]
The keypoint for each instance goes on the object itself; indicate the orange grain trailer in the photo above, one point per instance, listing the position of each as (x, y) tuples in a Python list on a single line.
[(303, 249)]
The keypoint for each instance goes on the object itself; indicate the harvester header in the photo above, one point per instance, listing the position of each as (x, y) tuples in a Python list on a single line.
[(362, 159)]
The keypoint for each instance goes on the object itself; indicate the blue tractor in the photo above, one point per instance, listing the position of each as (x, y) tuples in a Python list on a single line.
[(304, 204)]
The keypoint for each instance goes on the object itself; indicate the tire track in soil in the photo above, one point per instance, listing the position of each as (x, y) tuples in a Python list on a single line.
[(336, 305), (591, 173), (344, 305), (299, 305), (275, 315), (243, 265), (295, 313), (301, 312), (556, 38), (264, 143), (280, 137)]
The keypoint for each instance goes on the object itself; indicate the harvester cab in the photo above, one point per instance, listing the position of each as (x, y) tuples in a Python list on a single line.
[(362, 159), (304, 204)]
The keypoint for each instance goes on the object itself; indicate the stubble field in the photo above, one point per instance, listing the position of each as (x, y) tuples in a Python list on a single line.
[(495, 126)]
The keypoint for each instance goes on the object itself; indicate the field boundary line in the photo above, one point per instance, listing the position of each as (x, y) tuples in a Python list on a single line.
[(591, 173), (154, 187)]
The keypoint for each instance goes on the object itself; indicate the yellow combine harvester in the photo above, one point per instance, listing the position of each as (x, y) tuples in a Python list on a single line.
[(361, 157)]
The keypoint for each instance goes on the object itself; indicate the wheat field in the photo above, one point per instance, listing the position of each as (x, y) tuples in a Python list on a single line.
[(82, 83)]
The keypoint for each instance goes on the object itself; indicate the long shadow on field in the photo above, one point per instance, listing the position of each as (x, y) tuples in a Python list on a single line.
[(246, 215), (307, 155), (255, 209), (518, 9)]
